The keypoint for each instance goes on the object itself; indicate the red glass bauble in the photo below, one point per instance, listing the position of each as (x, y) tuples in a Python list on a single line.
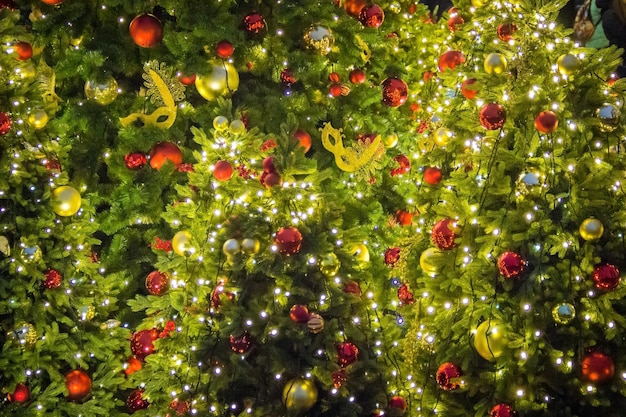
[(223, 170), (597, 367), (354, 7), (23, 50), (432, 175), (287, 77), (347, 353), (163, 152), (187, 79), (253, 23), (404, 165), (546, 122), (270, 179), (606, 277), (492, 116), (468, 88), (299, 313), (455, 21), (241, 344), (397, 402), (335, 90), (5, 123), (303, 138), (405, 295), (53, 279), (372, 16), (146, 31), (288, 240), (135, 401), (141, 343), (502, 410), (268, 164), (511, 265), (135, 160), (352, 287), (448, 375), (357, 76), (224, 49), (157, 283), (339, 378), (450, 59), (506, 30), (395, 92), (444, 234), (404, 218), (21, 394), (78, 384), (392, 255)]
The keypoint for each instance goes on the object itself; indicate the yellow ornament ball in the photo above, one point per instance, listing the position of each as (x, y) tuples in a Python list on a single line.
[(591, 229), (360, 253), (231, 247), (102, 91), (568, 64), (65, 200), (220, 123), (427, 259), (390, 140), (490, 340), (181, 243), (25, 334), (38, 119), (237, 127), (250, 246), (495, 63), (442, 136), (478, 3), (299, 395), (329, 264), (221, 79)]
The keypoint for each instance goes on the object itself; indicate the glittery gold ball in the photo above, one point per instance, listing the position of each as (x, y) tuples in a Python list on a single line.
[(66, 200), (319, 38), (181, 243), (102, 91), (563, 313), (299, 395), (38, 119), (568, 64), (221, 79), (86, 313), (495, 63), (250, 246), (231, 247), (24, 334), (329, 264), (591, 229)]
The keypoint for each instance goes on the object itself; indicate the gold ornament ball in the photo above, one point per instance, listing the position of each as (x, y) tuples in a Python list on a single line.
[(231, 247), (103, 91), (490, 340), (299, 395), (65, 200), (568, 64), (181, 243), (329, 264), (591, 229), (38, 119), (609, 117), (478, 3), (390, 140), (25, 334), (442, 136), (220, 123), (360, 253), (319, 38), (86, 313), (495, 63), (563, 313), (220, 80), (250, 246), (237, 127), (427, 260)]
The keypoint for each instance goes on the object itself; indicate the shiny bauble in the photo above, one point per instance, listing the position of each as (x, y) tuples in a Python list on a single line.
[(136, 402), (395, 92), (23, 51), (403, 218), (442, 136), (78, 384), (146, 31), (396, 402), (568, 64), (224, 49), (478, 3), (135, 160), (164, 152), (591, 229), (511, 265), (250, 246), (187, 79), (38, 119), (502, 410), (454, 21), (5, 123), (372, 16), (223, 170), (220, 123), (492, 116), (66, 200), (609, 117), (563, 313), (352, 287), (468, 88), (490, 340), (241, 344), (31, 254), (53, 279), (270, 179), (315, 323), (360, 253), (606, 277), (448, 376), (347, 353), (299, 395), (253, 23), (357, 76), (428, 260), (102, 91), (546, 122), (303, 138), (495, 63), (157, 283), (133, 365), (25, 334), (231, 247), (392, 256), (237, 127), (339, 378), (405, 295), (299, 313), (450, 60), (141, 343), (597, 367), (353, 7), (432, 175), (329, 264), (20, 394), (220, 79), (505, 31), (320, 39), (443, 234), (288, 240), (182, 243), (86, 313)]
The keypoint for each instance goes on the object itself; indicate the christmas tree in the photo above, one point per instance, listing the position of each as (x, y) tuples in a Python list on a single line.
[(308, 208)]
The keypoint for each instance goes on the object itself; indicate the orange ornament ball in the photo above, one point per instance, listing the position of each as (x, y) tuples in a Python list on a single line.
[(597, 367), (354, 7), (468, 88), (52, 2), (78, 385), (133, 366), (24, 51), (546, 122), (222, 171), (335, 90), (432, 175), (187, 79), (450, 59), (163, 152), (224, 49), (304, 138), (146, 31)]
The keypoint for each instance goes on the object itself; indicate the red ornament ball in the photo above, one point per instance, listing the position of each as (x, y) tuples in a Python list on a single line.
[(397, 402), (141, 343), (506, 30), (450, 59), (597, 367), (392, 255), (372, 16), (133, 366), (146, 31), (405, 295), (511, 265), (502, 410), (241, 344), (288, 240), (353, 7), (432, 175), (268, 164), (347, 353), (606, 277), (357, 76), (163, 152), (157, 283), (135, 401), (53, 279), (448, 375), (20, 394), (339, 378), (444, 234), (303, 137), (52, 2), (253, 23), (404, 218), (404, 165), (223, 170), (468, 88), (23, 50), (299, 313), (78, 384), (187, 79), (135, 160), (492, 116), (395, 92), (335, 90), (546, 122), (270, 179), (224, 49), (5, 123), (287, 77), (352, 287), (454, 21)]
